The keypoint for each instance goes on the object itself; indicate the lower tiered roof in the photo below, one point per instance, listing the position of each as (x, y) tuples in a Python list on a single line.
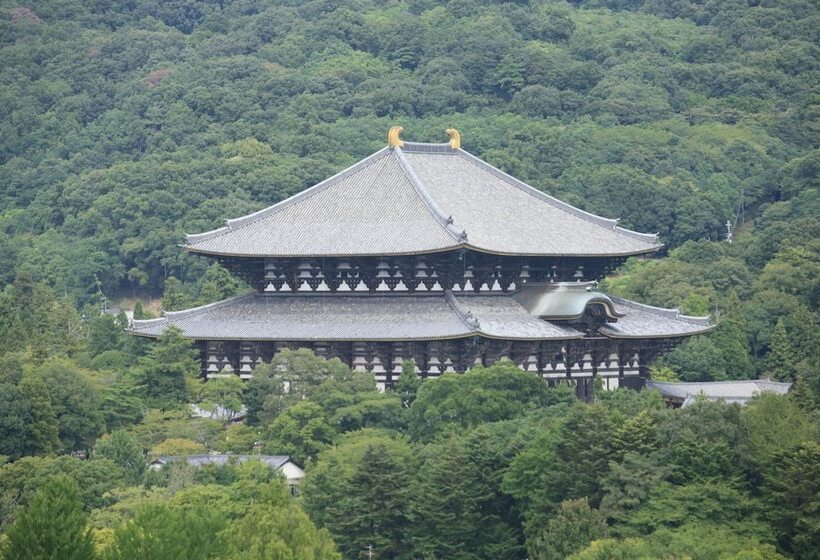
[(401, 317)]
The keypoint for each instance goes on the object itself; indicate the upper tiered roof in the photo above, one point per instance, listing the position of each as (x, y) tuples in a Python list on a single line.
[(414, 198)]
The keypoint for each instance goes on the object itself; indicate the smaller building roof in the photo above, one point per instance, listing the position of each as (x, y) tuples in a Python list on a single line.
[(738, 391), (273, 461)]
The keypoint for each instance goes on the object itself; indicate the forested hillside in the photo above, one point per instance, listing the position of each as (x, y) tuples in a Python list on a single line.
[(125, 124)]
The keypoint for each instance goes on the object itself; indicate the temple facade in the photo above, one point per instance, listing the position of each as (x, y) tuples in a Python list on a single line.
[(423, 251)]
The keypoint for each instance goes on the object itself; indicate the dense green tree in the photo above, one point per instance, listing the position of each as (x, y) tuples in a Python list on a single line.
[(43, 430), (302, 431), (293, 375), (123, 450), (224, 392), (781, 359), (346, 493), (174, 296), (277, 528), (51, 526), (793, 495), (166, 369), (15, 417), (452, 514), (457, 401), (407, 386), (162, 532), (75, 402), (572, 528)]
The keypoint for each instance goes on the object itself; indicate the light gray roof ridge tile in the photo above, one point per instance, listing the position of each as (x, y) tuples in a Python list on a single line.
[(445, 220), (608, 223), (469, 320), (235, 223), (672, 313)]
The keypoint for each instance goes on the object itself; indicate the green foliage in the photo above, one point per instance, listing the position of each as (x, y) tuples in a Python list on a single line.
[(52, 525), (224, 392), (291, 376), (277, 530), (572, 528), (75, 403), (302, 431), (166, 369), (456, 401), (346, 492), (793, 495), (126, 124), (123, 450), (165, 533)]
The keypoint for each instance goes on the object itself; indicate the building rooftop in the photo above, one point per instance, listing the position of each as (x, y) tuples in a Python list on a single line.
[(739, 391), (400, 317), (416, 198), (273, 461)]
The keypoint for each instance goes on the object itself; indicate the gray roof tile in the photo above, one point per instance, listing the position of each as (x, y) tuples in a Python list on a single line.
[(738, 391), (646, 321), (420, 199), (369, 317)]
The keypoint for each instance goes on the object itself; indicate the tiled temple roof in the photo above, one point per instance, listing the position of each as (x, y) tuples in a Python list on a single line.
[(416, 199), (645, 321), (738, 391), (399, 317)]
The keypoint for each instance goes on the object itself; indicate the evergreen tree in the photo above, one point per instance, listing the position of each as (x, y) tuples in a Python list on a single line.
[(15, 417), (731, 340), (408, 383), (380, 518), (52, 526), (572, 528), (123, 450), (635, 435), (174, 297), (360, 490), (167, 368), (43, 430), (780, 361), (458, 510), (139, 312), (159, 532)]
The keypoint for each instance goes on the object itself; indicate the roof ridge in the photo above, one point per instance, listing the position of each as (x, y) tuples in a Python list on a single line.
[(466, 317), (248, 219), (445, 221), (609, 223), (673, 313), (208, 306)]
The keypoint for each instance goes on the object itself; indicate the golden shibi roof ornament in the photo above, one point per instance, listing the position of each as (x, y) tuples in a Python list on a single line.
[(455, 138), (393, 139)]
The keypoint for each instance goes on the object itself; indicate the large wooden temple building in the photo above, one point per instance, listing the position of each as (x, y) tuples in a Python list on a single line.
[(425, 251)]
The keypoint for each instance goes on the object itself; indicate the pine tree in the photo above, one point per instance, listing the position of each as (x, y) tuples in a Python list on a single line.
[(636, 435), (171, 361), (139, 312), (730, 338), (52, 526), (780, 362), (174, 296)]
